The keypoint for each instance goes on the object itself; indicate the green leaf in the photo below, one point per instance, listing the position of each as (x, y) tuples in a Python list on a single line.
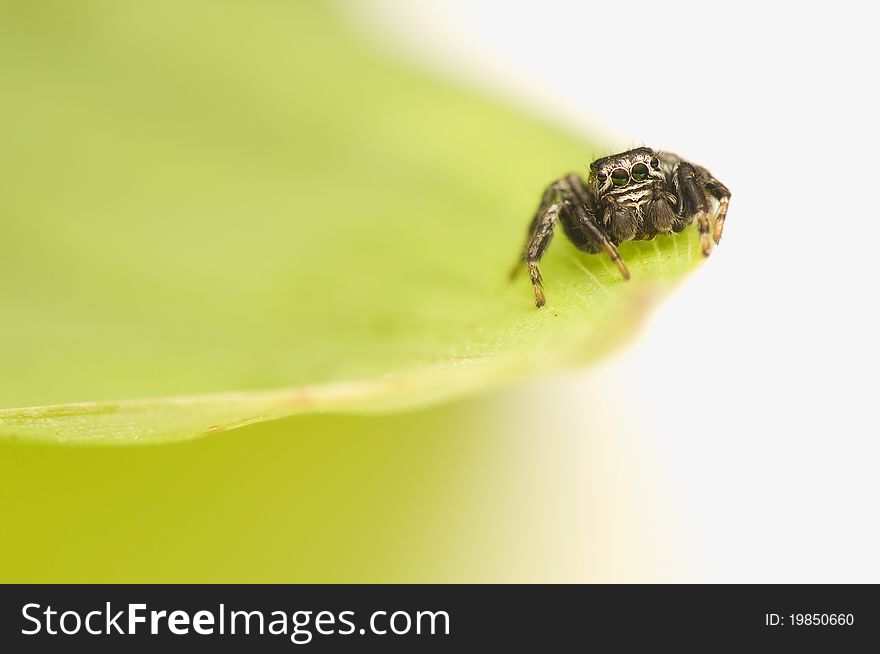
[(205, 200)]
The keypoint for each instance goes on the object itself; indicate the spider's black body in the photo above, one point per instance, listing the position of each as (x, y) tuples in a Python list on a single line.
[(634, 195)]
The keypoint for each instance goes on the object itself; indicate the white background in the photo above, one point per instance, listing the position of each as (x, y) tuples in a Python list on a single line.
[(753, 391)]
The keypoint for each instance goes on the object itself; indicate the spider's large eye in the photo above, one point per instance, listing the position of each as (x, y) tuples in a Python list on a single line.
[(655, 163), (640, 172), (619, 177)]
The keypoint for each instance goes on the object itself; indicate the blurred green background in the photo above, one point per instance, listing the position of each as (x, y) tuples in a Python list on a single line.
[(477, 491), (208, 196)]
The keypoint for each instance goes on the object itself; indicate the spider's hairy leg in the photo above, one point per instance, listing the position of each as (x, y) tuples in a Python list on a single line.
[(546, 200), (541, 233), (592, 237), (580, 222), (720, 192), (569, 201), (692, 202)]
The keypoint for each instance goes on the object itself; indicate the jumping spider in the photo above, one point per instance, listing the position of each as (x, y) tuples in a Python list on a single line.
[(630, 196)]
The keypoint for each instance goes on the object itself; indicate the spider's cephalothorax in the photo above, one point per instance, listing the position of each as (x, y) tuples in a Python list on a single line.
[(633, 195)]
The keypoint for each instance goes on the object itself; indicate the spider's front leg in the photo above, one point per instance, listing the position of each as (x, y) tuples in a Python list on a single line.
[(721, 193), (540, 233), (694, 184), (692, 202), (565, 200), (583, 229), (581, 225)]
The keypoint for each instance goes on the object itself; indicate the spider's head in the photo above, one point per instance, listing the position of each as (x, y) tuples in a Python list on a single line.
[(625, 186), (621, 173)]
